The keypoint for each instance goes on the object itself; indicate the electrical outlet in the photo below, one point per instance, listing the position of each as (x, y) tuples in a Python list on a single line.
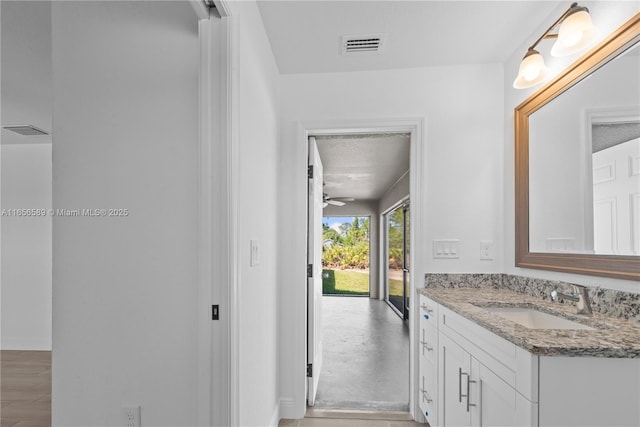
[(486, 249), (131, 416)]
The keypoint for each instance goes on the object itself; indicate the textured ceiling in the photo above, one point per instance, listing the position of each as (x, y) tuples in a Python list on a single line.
[(363, 166), (607, 135)]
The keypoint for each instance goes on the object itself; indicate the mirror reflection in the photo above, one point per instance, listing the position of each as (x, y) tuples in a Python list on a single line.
[(584, 164)]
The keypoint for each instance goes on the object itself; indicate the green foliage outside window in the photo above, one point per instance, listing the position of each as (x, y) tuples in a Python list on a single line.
[(348, 248)]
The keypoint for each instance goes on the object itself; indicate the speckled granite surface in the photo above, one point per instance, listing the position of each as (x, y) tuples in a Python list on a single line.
[(616, 331), (624, 305)]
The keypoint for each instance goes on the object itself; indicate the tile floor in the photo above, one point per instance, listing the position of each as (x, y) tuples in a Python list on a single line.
[(346, 418), (365, 356), (25, 388)]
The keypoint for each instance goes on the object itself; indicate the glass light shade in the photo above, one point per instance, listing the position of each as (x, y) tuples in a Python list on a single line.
[(532, 71), (575, 34)]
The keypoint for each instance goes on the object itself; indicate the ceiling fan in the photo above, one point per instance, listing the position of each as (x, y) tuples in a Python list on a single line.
[(338, 201)]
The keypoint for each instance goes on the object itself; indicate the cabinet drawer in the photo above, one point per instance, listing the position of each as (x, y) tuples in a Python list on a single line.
[(428, 343), (428, 311), (428, 389), (493, 351)]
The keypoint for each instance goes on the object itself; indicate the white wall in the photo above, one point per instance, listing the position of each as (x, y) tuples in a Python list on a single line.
[(26, 248), (463, 111), (125, 136), (398, 192), (607, 16), (258, 189)]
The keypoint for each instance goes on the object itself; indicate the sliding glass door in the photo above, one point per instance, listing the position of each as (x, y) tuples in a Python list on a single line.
[(397, 253)]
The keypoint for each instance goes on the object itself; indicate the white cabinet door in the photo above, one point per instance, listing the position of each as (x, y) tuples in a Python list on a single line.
[(496, 400), (455, 388)]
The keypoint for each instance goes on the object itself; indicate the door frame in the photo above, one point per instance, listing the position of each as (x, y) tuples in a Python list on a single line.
[(384, 273), (416, 128), (217, 394)]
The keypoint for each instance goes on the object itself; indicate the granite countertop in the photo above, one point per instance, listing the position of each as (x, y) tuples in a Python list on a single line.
[(611, 336)]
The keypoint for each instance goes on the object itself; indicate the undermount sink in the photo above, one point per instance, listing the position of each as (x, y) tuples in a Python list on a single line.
[(534, 319)]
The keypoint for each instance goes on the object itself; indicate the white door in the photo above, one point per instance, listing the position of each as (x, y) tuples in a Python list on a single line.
[(314, 282), (616, 196)]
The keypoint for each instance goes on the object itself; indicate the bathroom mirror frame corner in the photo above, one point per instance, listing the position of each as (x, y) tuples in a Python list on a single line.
[(614, 266)]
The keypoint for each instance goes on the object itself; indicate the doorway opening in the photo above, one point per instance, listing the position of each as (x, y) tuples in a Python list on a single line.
[(363, 343), (345, 255)]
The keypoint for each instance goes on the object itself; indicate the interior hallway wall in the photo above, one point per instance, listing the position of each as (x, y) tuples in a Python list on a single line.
[(463, 111), (125, 137), (258, 209), (394, 195), (26, 247), (607, 16)]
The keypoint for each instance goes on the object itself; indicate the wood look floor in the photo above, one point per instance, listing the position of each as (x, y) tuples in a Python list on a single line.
[(25, 388)]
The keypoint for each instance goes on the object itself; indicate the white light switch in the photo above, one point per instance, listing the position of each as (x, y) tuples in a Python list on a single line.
[(446, 248), (254, 256), (486, 249)]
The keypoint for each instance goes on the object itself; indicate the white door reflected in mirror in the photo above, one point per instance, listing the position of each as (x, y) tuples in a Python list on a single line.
[(616, 199)]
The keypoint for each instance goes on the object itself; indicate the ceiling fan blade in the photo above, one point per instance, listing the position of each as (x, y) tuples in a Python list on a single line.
[(344, 199), (335, 202)]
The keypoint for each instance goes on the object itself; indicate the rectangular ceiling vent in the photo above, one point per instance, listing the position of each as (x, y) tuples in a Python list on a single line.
[(26, 130), (362, 44)]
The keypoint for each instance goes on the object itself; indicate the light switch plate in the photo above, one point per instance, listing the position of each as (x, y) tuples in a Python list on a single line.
[(446, 248), (255, 255)]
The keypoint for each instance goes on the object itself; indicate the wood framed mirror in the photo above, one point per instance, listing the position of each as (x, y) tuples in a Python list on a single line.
[(556, 211)]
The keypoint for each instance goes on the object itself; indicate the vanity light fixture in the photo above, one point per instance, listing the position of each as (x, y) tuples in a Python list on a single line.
[(575, 33)]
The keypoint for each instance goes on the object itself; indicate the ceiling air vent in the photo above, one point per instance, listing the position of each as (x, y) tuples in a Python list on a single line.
[(362, 44), (26, 130)]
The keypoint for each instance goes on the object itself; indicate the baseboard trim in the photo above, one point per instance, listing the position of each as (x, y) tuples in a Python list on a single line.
[(275, 417), (10, 343), (288, 409), (358, 414)]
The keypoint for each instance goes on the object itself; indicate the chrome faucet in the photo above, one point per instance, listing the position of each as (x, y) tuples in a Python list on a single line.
[(580, 296)]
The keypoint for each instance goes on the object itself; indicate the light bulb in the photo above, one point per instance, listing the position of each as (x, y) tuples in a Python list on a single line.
[(576, 31), (532, 70), (532, 66)]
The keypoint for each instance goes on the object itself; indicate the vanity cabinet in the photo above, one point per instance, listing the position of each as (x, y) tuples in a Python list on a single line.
[(428, 347), (477, 378), (471, 394)]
